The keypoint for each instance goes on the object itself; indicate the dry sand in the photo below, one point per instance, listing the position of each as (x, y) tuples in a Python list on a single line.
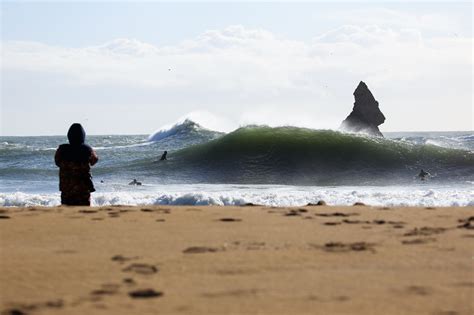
[(237, 260)]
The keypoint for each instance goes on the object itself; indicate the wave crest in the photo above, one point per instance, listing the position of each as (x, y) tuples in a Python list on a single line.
[(185, 128), (291, 155)]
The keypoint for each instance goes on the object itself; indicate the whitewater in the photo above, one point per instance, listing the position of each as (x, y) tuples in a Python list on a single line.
[(283, 166)]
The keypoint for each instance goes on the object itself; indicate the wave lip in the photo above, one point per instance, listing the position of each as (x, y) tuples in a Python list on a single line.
[(185, 128)]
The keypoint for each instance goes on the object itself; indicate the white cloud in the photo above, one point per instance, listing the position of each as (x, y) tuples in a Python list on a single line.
[(400, 19), (253, 71)]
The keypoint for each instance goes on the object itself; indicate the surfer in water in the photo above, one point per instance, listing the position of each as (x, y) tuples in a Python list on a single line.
[(163, 157), (135, 182), (423, 175), (74, 160)]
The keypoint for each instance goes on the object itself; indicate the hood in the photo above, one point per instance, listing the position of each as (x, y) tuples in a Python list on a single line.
[(76, 134)]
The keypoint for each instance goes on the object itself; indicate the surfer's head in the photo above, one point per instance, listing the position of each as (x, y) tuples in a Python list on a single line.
[(76, 134)]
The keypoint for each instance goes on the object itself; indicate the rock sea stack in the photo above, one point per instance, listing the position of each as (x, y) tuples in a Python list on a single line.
[(366, 115)]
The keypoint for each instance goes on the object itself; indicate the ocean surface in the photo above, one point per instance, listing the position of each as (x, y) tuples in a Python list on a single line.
[(283, 166)]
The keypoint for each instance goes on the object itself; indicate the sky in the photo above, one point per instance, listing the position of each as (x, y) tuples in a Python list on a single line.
[(131, 68)]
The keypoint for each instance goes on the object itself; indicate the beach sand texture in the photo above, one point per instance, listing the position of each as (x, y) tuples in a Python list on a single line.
[(237, 260)]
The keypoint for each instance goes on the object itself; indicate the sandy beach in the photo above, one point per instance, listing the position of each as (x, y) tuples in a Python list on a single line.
[(236, 260)]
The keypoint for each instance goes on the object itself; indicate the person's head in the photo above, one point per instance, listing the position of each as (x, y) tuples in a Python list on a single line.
[(166, 152), (76, 134)]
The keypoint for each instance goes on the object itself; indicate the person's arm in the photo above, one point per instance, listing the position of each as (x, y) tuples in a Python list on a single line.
[(93, 157), (57, 157)]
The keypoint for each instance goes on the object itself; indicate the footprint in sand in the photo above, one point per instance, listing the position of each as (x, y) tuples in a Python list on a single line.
[(129, 281), (143, 269), (164, 210), (335, 214), (292, 213), (418, 241), (200, 250), (88, 211), (230, 220), (467, 223), (23, 309), (13, 311), (107, 289), (418, 290), (145, 293), (332, 223), (347, 221), (122, 259), (147, 210), (338, 247), (238, 292), (425, 231), (398, 226)]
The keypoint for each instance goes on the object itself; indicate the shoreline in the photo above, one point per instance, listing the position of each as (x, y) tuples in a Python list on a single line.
[(236, 260)]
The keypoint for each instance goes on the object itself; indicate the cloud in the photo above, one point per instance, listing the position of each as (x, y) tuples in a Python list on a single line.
[(254, 74), (369, 35), (400, 19)]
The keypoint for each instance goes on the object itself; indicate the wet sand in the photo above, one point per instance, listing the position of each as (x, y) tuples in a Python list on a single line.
[(236, 260)]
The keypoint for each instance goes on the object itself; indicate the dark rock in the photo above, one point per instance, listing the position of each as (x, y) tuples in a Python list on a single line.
[(366, 115)]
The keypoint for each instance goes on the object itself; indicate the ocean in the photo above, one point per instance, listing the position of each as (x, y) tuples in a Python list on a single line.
[(283, 166)]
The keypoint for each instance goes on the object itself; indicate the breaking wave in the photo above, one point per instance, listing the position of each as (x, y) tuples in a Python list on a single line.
[(187, 129), (229, 195), (290, 155)]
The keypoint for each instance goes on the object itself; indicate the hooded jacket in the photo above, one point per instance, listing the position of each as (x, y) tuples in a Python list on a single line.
[(74, 160)]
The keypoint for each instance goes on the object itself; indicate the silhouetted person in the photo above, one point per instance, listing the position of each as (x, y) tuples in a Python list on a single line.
[(74, 161), (423, 175), (163, 157), (135, 182)]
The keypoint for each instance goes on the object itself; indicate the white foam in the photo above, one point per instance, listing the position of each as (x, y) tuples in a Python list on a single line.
[(199, 120), (169, 130), (20, 199), (261, 194)]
